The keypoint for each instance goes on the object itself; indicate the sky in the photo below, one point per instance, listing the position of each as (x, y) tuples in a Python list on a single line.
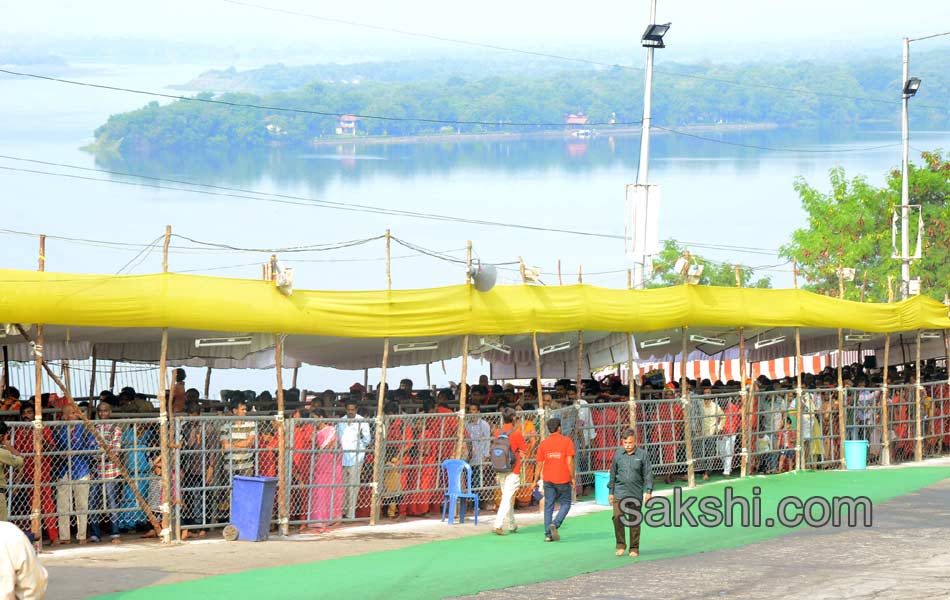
[(730, 29)]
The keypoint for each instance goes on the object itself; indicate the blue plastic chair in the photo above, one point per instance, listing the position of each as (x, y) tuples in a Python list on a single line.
[(453, 471)]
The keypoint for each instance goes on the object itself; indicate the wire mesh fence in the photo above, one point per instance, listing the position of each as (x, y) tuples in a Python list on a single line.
[(936, 418), (902, 422)]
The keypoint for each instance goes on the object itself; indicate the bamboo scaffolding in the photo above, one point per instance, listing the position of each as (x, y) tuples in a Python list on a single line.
[(377, 497), (687, 415), (5, 376), (207, 389), (105, 446)]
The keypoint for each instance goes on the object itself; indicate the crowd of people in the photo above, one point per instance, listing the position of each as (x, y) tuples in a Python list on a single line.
[(331, 442)]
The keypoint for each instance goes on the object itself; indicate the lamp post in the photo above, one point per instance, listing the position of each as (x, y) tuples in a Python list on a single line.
[(652, 39), (909, 89)]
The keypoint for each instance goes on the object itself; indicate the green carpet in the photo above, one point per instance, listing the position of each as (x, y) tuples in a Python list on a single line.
[(481, 562)]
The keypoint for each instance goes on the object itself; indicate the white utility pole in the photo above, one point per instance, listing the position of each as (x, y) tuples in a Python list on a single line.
[(905, 186), (644, 207), (907, 91)]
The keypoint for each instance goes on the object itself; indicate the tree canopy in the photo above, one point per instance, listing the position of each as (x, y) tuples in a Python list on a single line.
[(850, 227)]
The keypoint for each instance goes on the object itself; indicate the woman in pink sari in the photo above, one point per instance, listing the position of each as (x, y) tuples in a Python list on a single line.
[(326, 498)]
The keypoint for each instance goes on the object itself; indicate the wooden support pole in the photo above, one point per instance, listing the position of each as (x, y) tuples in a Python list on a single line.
[(918, 389), (366, 380), (463, 384), (5, 377), (885, 395), (799, 448), (112, 376), (35, 523), (687, 415), (746, 404), (282, 484), (93, 398), (842, 400), (164, 418), (380, 436), (293, 379), (428, 377), (207, 388), (542, 409), (795, 273), (105, 446)]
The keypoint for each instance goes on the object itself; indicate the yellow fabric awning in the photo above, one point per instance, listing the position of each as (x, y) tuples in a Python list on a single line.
[(221, 304)]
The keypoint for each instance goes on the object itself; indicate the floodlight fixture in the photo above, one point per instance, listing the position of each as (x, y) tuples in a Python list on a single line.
[(491, 343), (554, 348), (769, 342), (930, 335), (653, 36), (223, 341), (415, 346), (701, 339), (694, 274), (911, 86), (654, 343), (858, 337)]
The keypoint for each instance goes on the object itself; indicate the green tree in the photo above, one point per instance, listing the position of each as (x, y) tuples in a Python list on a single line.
[(850, 227), (722, 274)]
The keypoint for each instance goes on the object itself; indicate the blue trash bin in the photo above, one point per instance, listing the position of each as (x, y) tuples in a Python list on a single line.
[(252, 504), (856, 455), (601, 493)]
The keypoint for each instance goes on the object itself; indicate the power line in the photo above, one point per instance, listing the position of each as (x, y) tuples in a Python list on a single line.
[(231, 104), (574, 59), (773, 148), (224, 191)]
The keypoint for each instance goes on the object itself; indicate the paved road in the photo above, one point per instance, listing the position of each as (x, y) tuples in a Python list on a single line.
[(906, 554)]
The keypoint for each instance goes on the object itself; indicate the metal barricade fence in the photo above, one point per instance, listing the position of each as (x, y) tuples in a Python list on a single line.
[(823, 449), (661, 427), (863, 420), (936, 418), (329, 467), (211, 451), (772, 432), (82, 494), (902, 416), (716, 430), (608, 420)]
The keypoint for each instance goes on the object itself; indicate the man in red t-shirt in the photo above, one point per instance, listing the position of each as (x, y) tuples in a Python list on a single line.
[(556, 470), (509, 482)]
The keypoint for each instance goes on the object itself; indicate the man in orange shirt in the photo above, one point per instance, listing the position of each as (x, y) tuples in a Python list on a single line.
[(555, 461), (505, 453)]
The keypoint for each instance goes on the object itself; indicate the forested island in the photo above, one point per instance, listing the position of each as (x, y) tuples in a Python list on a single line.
[(839, 94)]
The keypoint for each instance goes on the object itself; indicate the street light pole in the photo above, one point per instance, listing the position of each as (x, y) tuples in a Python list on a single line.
[(643, 170), (905, 184)]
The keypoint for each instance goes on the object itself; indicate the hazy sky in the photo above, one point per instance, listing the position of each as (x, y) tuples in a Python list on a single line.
[(702, 29)]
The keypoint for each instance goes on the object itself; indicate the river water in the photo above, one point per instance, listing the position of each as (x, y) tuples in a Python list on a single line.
[(713, 193)]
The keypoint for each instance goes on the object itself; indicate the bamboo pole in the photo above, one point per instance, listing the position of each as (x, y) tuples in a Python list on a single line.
[(93, 398), (842, 401), (381, 403), (164, 418), (542, 409), (293, 379), (746, 403), (799, 449), (687, 416), (106, 447), (5, 377), (365, 379), (282, 487), (35, 522), (946, 362), (795, 273), (428, 378), (885, 396), (919, 441), (560, 281), (463, 385), (112, 376), (207, 388)]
